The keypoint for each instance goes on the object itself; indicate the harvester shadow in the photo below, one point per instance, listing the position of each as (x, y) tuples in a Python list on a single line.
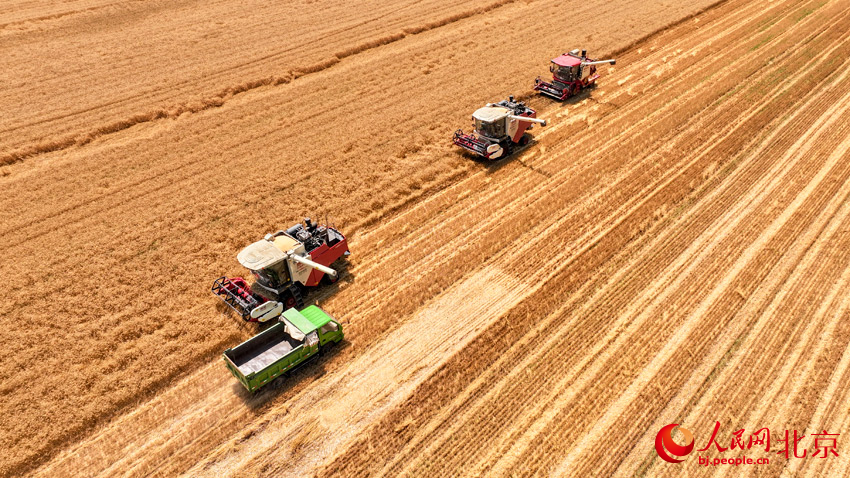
[(329, 288), (491, 167), (585, 94)]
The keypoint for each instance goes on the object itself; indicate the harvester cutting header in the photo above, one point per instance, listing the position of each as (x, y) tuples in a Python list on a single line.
[(498, 127), (571, 72), (283, 264)]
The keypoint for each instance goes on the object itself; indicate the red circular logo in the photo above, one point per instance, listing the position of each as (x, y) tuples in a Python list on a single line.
[(664, 443)]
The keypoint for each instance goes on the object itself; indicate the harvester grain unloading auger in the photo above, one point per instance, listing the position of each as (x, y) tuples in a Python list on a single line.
[(571, 72), (498, 129), (283, 265)]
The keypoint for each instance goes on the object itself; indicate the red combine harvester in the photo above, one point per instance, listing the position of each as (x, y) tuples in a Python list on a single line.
[(498, 127), (571, 72), (283, 264)]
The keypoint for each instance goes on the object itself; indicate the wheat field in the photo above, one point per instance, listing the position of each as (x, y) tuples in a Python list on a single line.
[(673, 247)]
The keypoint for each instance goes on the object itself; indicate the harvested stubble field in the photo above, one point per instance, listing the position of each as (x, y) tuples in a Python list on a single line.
[(673, 247)]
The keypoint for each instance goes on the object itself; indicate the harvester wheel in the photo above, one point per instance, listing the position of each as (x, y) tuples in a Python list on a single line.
[(524, 140), (576, 89), (292, 298)]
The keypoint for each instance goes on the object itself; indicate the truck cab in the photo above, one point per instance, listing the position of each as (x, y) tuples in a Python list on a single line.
[(328, 329)]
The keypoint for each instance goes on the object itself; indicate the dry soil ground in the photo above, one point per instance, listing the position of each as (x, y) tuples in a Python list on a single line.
[(673, 248)]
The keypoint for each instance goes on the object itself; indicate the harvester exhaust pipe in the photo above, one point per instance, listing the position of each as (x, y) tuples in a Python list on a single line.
[(315, 265), (525, 118), (601, 62)]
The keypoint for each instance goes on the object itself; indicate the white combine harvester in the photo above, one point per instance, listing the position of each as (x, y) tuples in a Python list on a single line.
[(498, 129), (283, 265)]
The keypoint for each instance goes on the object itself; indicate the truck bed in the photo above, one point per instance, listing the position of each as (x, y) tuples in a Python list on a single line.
[(263, 350)]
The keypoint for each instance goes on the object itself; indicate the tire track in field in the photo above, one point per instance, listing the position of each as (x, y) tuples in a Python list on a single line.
[(798, 305), (228, 459), (801, 294), (836, 413), (479, 227), (752, 308), (616, 412)]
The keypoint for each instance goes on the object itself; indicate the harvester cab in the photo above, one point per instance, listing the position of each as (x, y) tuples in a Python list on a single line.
[(283, 264), (497, 128), (571, 72)]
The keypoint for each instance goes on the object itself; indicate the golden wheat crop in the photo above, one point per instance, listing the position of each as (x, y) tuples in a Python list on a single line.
[(672, 248)]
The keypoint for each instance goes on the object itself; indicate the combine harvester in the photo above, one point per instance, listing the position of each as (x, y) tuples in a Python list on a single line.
[(283, 264), (571, 72), (498, 128), (296, 338)]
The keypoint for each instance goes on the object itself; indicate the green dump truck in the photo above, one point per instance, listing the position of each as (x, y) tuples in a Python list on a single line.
[(282, 347)]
